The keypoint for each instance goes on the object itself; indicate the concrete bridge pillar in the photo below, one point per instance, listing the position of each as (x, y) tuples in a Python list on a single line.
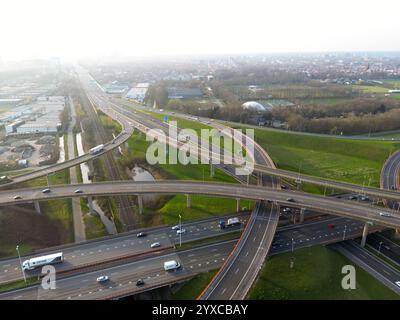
[(188, 201), (212, 170), (302, 212), (90, 205), (259, 178), (91, 168), (237, 204), (140, 203), (397, 233), (364, 234), (248, 179), (48, 180), (37, 206)]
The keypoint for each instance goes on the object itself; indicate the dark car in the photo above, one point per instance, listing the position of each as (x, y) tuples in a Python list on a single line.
[(283, 187), (139, 283), (141, 234), (290, 200)]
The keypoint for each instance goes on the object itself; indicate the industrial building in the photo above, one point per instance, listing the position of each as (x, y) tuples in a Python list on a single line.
[(184, 93), (38, 127), (12, 127), (138, 92), (116, 88), (42, 116), (15, 113)]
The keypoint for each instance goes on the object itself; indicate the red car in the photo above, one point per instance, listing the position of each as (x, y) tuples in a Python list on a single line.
[(331, 226)]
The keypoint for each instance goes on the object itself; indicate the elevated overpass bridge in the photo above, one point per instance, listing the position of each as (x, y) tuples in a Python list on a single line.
[(265, 168), (328, 205)]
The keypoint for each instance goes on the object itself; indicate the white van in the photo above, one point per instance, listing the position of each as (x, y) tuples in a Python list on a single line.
[(171, 265)]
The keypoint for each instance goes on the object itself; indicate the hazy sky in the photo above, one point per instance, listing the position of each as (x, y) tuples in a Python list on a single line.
[(96, 28)]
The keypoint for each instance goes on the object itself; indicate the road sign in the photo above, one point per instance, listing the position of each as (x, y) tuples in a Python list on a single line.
[(165, 118)]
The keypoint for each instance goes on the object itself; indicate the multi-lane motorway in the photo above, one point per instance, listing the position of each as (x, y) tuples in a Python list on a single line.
[(127, 245), (382, 271), (123, 277), (243, 264), (390, 177)]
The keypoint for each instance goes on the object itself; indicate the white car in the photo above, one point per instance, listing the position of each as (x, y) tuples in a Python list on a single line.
[(180, 231), (175, 228), (397, 283), (385, 214), (155, 245), (78, 191), (17, 197), (102, 279), (46, 190)]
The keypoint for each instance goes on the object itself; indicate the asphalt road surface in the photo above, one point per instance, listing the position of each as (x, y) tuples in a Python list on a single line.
[(101, 250), (370, 263)]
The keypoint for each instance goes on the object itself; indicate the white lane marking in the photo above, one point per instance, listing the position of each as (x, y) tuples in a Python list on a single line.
[(386, 272)]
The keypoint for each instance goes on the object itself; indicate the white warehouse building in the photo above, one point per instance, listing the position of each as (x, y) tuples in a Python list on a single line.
[(138, 92), (39, 127)]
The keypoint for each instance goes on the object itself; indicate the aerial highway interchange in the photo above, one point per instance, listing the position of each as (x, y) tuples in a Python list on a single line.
[(258, 233)]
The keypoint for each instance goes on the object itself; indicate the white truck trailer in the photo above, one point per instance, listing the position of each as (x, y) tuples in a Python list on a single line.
[(96, 149), (42, 261)]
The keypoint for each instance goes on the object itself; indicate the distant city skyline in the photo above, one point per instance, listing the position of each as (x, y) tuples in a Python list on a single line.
[(122, 29)]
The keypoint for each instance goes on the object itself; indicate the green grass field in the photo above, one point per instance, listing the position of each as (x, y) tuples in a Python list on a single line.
[(18, 284), (311, 280), (94, 227), (192, 289), (369, 89), (202, 207), (340, 159)]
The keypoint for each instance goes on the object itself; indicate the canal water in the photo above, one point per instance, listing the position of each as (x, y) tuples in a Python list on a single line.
[(62, 150), (109, 224), (140, 174)]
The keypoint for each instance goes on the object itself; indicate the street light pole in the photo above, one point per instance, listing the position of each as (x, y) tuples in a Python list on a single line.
[(20, 263), (344, 232), (379, 250), (180, 231), (292, 257)]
